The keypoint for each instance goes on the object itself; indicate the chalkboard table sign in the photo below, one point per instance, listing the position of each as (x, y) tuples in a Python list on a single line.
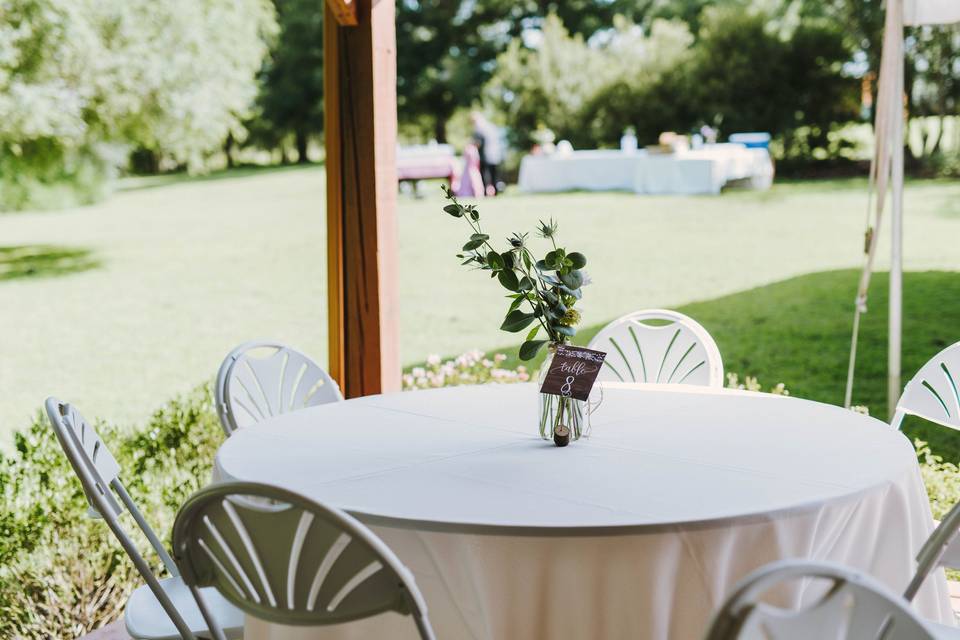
[(573, 372)]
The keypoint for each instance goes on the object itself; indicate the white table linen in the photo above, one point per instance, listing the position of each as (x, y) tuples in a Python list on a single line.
[(697, 171), (639, 531)]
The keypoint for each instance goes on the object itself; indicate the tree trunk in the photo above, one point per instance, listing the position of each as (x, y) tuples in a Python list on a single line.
[(941, 121), (440, 129), (302, 141), (228, 146)]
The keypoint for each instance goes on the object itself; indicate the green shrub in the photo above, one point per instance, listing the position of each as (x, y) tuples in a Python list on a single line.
[(62, 574)]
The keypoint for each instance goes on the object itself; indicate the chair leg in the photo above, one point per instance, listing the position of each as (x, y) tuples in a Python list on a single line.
[(165, 603), (423, 626), (215, 631)]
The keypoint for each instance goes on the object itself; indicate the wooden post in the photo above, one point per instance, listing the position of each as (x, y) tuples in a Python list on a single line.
[(360, 101)]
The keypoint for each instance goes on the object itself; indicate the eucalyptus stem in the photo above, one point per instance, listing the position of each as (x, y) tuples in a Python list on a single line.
[(549, 287)]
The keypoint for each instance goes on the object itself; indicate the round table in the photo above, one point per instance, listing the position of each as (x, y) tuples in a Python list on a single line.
[(639, 531)]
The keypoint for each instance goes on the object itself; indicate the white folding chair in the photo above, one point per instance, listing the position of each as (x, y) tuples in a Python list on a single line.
[(659, 346), (854, 606), (286, 559), (161, 609), (932, 394), (262, 379), (942, 549)]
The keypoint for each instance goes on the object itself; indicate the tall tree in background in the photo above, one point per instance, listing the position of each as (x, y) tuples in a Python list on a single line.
[(84, 81), (446, 49), (290, 103)]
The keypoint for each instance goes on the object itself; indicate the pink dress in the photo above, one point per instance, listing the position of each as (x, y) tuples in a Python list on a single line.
[(470, 184)]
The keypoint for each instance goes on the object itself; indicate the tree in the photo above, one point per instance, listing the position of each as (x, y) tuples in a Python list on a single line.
[(650, 89), (446, 49), (750, 74), (291, 94), (82, 81), (933, 70), (547, 85)]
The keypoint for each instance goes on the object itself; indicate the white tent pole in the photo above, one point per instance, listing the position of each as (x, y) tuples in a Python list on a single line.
[(896, 248)]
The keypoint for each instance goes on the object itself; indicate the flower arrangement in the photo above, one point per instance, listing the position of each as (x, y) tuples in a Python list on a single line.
[(543, 292)]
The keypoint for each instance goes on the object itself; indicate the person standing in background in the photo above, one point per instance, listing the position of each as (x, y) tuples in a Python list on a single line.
[(469, 184), (487, 136)]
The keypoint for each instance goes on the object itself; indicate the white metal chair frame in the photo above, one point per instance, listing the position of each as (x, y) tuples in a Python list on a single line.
[(284, 558), (942, 549), (98, 473), (932, 394), (623, 340), (855, 607), (259, 388)]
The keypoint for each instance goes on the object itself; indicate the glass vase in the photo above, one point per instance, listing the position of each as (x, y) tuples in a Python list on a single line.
[(555, 410)]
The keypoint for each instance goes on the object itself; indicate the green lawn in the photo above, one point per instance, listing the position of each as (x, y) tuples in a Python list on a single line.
[(137, 299)]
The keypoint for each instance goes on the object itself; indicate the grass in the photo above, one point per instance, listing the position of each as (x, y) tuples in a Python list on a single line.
[(191, 267)]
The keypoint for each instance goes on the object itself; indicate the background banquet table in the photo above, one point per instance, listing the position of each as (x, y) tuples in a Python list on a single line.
[(697, 171), (639, 531)]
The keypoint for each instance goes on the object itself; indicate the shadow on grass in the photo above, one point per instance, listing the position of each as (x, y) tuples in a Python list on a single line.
[(38, 261), (797, 331)]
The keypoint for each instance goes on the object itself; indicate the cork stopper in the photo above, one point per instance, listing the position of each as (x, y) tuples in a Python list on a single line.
[(561, 435)]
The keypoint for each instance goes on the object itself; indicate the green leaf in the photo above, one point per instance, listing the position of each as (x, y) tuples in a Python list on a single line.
[(455, 210), (473, 244), (541, 265), (533, 333), (516, 303), (564, 330), (577, 260), (516, 321), (480, 236), (550, 260), (508, 261), (508, 278), (530, 348), (576, 293), (495, 261), (572, 280), (525, 284)]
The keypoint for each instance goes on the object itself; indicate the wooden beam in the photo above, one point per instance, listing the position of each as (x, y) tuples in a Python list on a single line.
[(344, 11), (360, 101)]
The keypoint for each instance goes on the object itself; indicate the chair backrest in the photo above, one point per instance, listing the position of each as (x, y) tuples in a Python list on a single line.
[(942, 549), (284, 558), (932, 394), (99, 475), (262, 379), (659, 346), (854, 606)]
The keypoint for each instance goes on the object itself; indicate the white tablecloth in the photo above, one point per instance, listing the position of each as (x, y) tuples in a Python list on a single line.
[(698, 171), (639, 531)]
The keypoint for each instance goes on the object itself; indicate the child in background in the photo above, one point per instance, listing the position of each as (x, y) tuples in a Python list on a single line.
[(470, 182)]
